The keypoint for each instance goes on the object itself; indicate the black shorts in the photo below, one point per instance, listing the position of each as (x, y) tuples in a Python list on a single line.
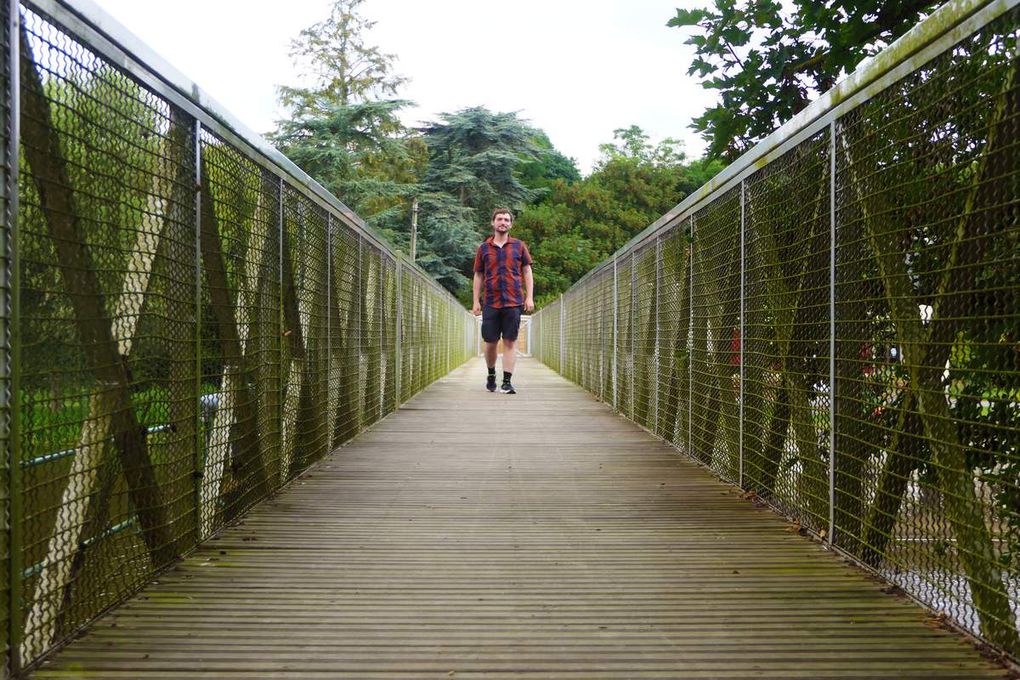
[(497, 321)]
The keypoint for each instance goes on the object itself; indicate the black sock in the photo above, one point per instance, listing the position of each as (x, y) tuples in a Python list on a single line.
[(506, 376), (492, 371)]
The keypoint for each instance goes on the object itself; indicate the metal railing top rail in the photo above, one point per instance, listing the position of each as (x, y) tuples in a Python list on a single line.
[(113, 41), (949, 24)]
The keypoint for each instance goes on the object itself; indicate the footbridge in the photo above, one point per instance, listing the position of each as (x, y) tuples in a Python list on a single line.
[(775, 435)]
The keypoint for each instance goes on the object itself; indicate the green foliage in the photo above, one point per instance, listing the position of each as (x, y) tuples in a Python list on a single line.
[(344, 70), (476, 156), (447, 238), (549, 165), (360, 153), (768, 59), (341, 130), (103, 121), (580, 224)]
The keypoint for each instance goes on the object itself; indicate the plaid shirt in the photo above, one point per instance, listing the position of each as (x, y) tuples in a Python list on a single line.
[(501, 270)]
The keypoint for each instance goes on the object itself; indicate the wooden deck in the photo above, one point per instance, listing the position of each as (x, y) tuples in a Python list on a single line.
[(477, 535)]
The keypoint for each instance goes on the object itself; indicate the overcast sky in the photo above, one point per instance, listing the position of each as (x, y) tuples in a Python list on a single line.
[(577, 69)]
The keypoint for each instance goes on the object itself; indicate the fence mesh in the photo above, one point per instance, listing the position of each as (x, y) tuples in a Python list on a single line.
[(674, 326), (872, 350), (194, 329), (927, 393), (8, 193), (786, 406), (644, 314)]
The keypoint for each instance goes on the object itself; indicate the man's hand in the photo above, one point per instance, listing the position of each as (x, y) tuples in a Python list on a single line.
[(529, 305), (476, 309)]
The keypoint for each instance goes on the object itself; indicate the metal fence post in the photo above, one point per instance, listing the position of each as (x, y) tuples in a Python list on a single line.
[(329, 326), (743, 340), (563, 315), (397, 336), (616, 332), (656, 298), (284, 374), (10, 367), (690, 344), (832, 332), (198, 464), (362, 289), (633, 331)]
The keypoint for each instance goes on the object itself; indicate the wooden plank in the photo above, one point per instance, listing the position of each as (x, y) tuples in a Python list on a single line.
[(477, 535)]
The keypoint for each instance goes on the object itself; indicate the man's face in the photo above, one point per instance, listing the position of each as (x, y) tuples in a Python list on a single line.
[(501, 223)]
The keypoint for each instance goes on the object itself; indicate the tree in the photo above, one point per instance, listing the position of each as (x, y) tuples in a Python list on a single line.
[(359, 152), (632, 142), (550, 165), (477, 156), (343, 68), (580, 224), (342, 131), (769, 59)]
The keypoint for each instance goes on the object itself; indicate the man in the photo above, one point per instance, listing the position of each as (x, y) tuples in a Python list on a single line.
[(503, 273)]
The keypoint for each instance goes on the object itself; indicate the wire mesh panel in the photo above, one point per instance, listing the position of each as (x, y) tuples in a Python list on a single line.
[(857, 367), (645, 320), (9, 484), (547, 335), (786, 409), (928, 451), (624, 332), (674, 329), (371, 335), (587, 329), (106, 409), (181, 309), (569, 345), (346, 302), (407, 340), (604, 331), (715, 357), (304, 302), (239, 399), (388, 333)]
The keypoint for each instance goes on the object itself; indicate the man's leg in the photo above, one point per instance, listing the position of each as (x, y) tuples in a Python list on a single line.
[(509, 326), (509, 355), (490, 335)]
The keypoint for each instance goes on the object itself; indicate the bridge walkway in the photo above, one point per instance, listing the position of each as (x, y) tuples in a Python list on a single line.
[(539, 535)]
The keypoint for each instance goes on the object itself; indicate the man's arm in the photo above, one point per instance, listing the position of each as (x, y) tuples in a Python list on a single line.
[(529, 289), (476, 289)]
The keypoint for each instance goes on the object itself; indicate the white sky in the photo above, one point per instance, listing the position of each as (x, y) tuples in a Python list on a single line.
[(577, 69)]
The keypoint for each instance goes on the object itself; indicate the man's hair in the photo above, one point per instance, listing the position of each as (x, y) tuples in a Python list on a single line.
[(500, 211)]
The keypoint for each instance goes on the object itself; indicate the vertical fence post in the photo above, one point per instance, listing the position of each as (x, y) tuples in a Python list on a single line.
[(11, 365), (563, 315), (284, 376), (633, 331), (198, 463), (397, 336), (832, 332), (381, 315), (329, 325), (359, 346), (656, 298), (743, 339), (690, 343), (616, 332)]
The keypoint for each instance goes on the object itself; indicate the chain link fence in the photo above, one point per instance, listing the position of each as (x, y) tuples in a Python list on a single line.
[(833, 323), (189, 322)]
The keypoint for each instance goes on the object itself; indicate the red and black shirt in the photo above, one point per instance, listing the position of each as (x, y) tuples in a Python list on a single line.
[(502, 272)]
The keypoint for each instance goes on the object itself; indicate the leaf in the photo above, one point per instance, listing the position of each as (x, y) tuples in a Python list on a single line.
[(689, 17)]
